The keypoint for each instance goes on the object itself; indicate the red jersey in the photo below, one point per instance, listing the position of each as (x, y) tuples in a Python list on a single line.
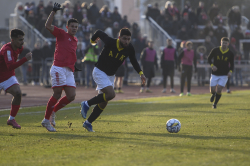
[(66, 45), (8, 61)]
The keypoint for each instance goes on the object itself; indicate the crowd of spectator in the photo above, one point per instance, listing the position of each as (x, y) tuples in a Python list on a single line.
[(188, 24)]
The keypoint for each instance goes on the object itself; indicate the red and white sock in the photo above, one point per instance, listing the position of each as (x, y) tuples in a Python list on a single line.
[(50, 106), (62, 103), (13, 111)]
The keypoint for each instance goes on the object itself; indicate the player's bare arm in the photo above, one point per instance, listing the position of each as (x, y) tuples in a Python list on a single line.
[(143, 79), (214, 68), (48, 24)]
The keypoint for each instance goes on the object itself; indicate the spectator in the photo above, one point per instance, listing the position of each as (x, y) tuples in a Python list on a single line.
[(220, 32), (202, 18), (41, 22), (99, 24), (192, 16), (67, 14), (19, 9), (41, 13), (49, 8), (155, 11), (238, 70), (194, 32), (77, 14), (208, 28), (36, 63), (106, 16), (149, 12), (175, 11), (31, 18), (213, 38), (80, 41), (91, 57), (161, 17), (27, 8), (116, 29), (167, 25), (93, 12), (124, 23), (115, 16), (186, 8), (185, 22), (135, 30), (218, 19), (237, 34), (168, 10), (234, 17), (24, 67), (233, 48), (138, 45), (208, 44), (85, 27), (201, 57), (175, 27), (78, 64), (183, 34), (200, 9), (47, 53), (214, 11), (39, 7), (246, 46)]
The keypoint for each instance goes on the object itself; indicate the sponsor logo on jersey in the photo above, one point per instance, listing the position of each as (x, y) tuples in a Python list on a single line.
[(9, 55)]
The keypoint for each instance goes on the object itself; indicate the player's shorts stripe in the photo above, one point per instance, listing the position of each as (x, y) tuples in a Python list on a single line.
[(104, 97)]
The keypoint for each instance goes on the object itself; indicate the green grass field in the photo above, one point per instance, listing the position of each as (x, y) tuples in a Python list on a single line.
[(133, 132)]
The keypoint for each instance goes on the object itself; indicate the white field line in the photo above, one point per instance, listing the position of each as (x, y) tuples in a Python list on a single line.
[(68, 108)]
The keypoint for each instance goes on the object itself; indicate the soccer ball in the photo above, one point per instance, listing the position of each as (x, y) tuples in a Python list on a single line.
[(173, 125)]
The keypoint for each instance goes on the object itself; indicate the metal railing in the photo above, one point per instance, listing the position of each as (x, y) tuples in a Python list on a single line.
[(32, 35)]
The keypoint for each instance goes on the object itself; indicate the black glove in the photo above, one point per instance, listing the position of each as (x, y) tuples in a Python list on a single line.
[(56, 7), (76, 69)]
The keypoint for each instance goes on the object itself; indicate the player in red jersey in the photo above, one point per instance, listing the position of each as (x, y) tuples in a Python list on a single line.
[(61, 72), (8, 63)]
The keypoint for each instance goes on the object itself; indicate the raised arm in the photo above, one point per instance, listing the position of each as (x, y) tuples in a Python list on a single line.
[(48, 24), (100, 35)]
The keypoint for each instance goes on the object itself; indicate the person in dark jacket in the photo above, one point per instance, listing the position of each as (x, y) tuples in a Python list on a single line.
[(234, 18), (115, 16), (148, 61), (201, 57), (93, 12), (220, 32), (36, 63), (214, 11), (168, 63), (187, 59), (24, 67)]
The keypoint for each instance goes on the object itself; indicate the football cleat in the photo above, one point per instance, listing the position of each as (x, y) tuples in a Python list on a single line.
[(164, 90), (181, 94), (172, 91), (48, 126), (214, 106), (189, 94), (84, 109), (13, 123), (52, 119), (88, 126)]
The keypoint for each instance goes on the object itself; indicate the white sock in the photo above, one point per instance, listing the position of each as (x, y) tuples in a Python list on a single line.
[(11, 117), (87, 121), (86, 103)]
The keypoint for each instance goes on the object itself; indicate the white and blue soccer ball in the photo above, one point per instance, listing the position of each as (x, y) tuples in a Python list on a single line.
[(173, 125)]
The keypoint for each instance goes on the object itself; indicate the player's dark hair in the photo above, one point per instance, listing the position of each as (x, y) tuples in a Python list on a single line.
[(14, 33), (225, 39), (125, 31), (72, 20)]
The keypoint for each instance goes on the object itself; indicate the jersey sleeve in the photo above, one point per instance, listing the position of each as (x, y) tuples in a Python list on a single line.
[(10, 61), (102, 35), (57, 31), (133, 61), (210, 56)]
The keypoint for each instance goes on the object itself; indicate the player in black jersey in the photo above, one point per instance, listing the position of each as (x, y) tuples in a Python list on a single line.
[(219, 58), (115, 51)]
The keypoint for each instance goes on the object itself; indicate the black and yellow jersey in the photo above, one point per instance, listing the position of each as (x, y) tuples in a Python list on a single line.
[(112, 56), (223, 60)]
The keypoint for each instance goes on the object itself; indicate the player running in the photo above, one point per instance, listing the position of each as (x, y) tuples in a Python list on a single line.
[(61, 72), (221, 71), (8, 63), (112, 56)]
